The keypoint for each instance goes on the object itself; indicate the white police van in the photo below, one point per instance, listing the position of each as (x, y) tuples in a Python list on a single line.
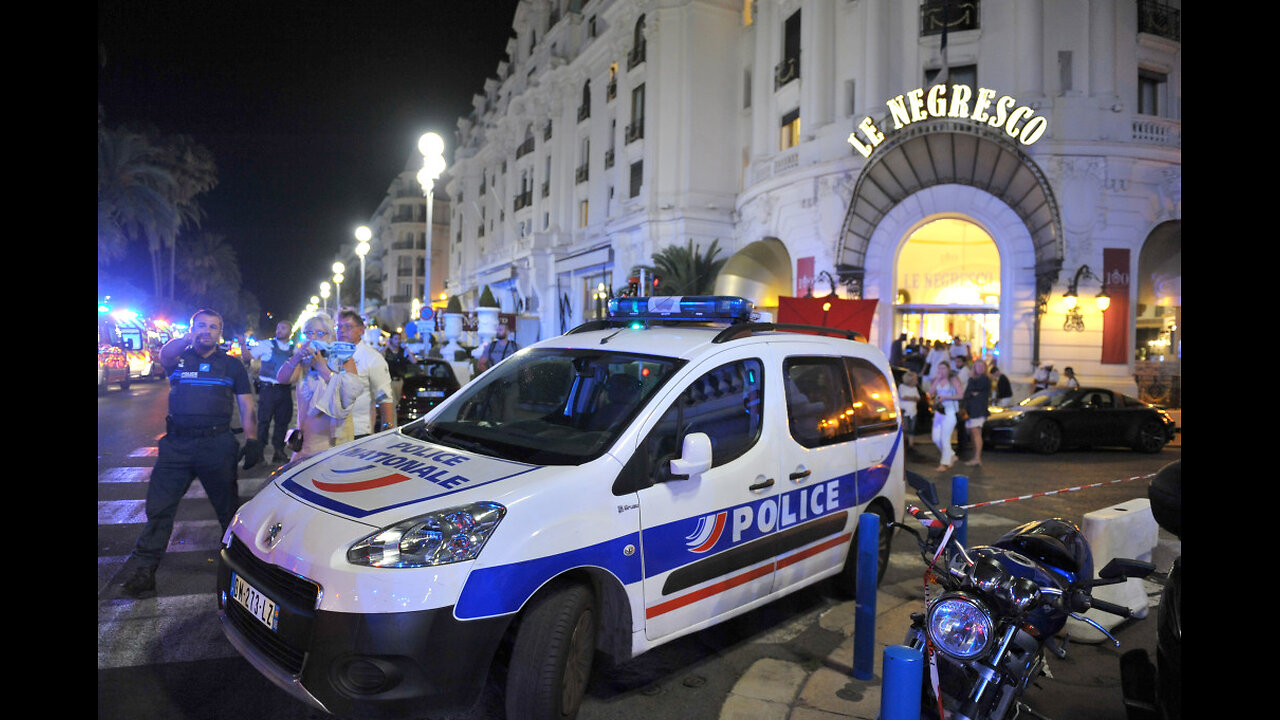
[(609, 490)]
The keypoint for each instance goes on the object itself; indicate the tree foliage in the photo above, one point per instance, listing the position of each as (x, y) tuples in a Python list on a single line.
[(685, 270)]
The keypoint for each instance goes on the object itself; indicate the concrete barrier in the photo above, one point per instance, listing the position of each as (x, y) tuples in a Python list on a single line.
[(1127, 530)]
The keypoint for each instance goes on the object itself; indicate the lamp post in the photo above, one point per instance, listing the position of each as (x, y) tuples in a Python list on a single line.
[(362, 248), (324, 293), (338, 269), (1075, 321), (431, 146)]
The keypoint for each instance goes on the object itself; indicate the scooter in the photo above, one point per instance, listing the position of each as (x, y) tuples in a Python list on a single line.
[(987, 633), (1153, 691)]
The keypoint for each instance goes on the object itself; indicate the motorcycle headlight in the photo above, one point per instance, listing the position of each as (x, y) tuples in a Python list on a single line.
[(445, 536), (960, 626)]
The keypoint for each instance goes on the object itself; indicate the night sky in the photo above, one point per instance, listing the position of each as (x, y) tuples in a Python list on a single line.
[(310, 109)]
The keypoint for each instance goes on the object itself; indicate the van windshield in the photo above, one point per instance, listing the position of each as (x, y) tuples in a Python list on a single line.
[(548, 406)]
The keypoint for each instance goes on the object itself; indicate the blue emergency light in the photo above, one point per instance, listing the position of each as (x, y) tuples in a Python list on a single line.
[(708, 308)]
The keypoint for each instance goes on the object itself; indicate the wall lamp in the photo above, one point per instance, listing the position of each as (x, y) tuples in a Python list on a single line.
[(1075, 321)]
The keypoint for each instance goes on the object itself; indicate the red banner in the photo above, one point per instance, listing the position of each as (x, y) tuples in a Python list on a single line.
[(828, 312), (1115, 319)]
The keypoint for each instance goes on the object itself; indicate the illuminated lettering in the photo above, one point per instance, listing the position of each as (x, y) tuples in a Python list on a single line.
[(1018, 122)]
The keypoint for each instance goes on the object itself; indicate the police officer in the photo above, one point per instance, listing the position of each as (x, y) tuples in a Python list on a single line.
[(275, 400), (203, 382)]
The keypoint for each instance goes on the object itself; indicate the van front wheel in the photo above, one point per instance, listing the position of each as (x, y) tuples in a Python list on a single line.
[(551, 658)]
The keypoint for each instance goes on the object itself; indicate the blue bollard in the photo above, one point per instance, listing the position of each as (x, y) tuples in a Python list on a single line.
[(864, 620), (900, 693), (960, 496)]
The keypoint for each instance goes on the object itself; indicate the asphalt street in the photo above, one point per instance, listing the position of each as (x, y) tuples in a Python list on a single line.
[(167, 657)]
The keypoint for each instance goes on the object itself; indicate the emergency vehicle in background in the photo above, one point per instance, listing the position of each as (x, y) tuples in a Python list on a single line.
[(606, 491), (129, 347)]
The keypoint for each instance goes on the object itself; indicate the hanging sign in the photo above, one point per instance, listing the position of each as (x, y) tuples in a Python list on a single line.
[(1019, 122)]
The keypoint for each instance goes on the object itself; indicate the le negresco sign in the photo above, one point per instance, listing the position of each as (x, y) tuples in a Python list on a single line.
[(1018, 121)]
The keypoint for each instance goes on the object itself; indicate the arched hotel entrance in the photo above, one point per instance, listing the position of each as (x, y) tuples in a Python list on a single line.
[(948, 286), (958, 171)]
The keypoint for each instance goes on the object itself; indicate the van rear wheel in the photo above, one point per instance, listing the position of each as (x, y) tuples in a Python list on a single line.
[(551, 658)]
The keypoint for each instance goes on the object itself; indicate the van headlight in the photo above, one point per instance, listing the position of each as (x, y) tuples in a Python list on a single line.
[(437, 538), (960, 626)]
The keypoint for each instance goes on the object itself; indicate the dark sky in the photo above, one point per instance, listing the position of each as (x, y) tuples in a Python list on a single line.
[(310, 109)]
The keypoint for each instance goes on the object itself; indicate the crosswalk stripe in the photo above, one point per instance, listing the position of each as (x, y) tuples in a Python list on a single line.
[(125, 474), (179, 628)]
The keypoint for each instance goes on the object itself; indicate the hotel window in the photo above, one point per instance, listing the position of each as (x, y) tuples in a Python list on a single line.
[(635, 130), (958, 75), (954, 15), (789, 68), (637, 175), (790, 133), (1151, 92), (582, 213)]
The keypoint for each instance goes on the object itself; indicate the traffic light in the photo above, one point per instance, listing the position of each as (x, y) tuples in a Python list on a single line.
[(653, 287)]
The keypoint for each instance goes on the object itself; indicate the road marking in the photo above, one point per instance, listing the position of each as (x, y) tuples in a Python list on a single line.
[(125, 474)]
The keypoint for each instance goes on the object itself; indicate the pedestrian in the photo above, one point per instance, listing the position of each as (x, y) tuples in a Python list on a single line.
[(275, 400), (1072, 382), (1004, 389), (936, 357), (497, 349), (947, 392), (204, 383), (326, 386), (977, 399), (399, 358), (908, 397), (898, 350), (1045, 377), (375, 409)]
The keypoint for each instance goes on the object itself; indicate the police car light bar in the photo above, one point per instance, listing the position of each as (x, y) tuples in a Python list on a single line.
[(680, 307)]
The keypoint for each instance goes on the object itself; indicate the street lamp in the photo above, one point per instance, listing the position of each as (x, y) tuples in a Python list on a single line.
[(362, 248), (324, 293), (338, 269), (1075, 321), (431, 146)]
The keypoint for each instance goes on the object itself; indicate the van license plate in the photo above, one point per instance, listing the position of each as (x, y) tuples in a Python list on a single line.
[(259, 606)]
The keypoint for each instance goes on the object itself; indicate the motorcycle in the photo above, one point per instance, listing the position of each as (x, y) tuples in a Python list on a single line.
[(986, 635), (1153, 691)]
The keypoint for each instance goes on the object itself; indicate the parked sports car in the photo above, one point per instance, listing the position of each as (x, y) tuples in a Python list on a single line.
[(1059, 417), (426, 384)]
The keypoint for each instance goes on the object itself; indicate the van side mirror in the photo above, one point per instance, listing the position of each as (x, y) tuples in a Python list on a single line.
[(695, 457)]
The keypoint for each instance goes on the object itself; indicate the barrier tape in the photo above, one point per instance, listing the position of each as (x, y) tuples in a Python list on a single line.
[(1057, 492)]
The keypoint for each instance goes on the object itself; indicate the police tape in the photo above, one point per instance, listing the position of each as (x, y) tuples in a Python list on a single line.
[(1056, 492)]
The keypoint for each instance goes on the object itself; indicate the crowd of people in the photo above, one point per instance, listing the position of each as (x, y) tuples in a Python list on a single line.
[(960, 390), (343, 386)]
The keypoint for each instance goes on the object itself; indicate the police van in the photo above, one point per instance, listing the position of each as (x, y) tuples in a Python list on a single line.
[(599, 493)]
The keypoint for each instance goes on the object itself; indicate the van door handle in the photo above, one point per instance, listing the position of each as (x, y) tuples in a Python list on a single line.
[(800, 475), (765, 483)]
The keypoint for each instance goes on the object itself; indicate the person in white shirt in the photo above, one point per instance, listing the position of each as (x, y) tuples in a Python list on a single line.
[(375, 408)]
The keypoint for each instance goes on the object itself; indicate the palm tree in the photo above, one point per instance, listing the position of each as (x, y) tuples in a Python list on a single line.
[(208, 268), (685, 270), (134, 193)]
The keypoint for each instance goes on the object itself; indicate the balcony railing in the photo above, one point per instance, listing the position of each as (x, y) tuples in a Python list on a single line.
[(635, 131), (636, 55), (608, 159), (525, 148), (584, 112), (1157, 131), (546, 189), (524, 200), (611, 90), (1157, 18), (581, 174), (786, 71), (960, 15)]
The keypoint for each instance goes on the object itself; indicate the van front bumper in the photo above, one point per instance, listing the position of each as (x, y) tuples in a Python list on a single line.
[(368, 665)]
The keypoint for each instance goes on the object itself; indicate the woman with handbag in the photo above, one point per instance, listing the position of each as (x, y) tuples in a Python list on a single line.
[(947, 393), (327, 387)]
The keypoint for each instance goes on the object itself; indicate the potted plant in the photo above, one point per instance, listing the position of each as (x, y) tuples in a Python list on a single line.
[(487, 316)]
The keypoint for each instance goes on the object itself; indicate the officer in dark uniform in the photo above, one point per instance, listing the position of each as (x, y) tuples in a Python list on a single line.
[(203, 383), (275, 400)]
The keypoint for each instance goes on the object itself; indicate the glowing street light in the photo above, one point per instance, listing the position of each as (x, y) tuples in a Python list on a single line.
[(431, 146), (362, 248), (338, 269), (324, 293)]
